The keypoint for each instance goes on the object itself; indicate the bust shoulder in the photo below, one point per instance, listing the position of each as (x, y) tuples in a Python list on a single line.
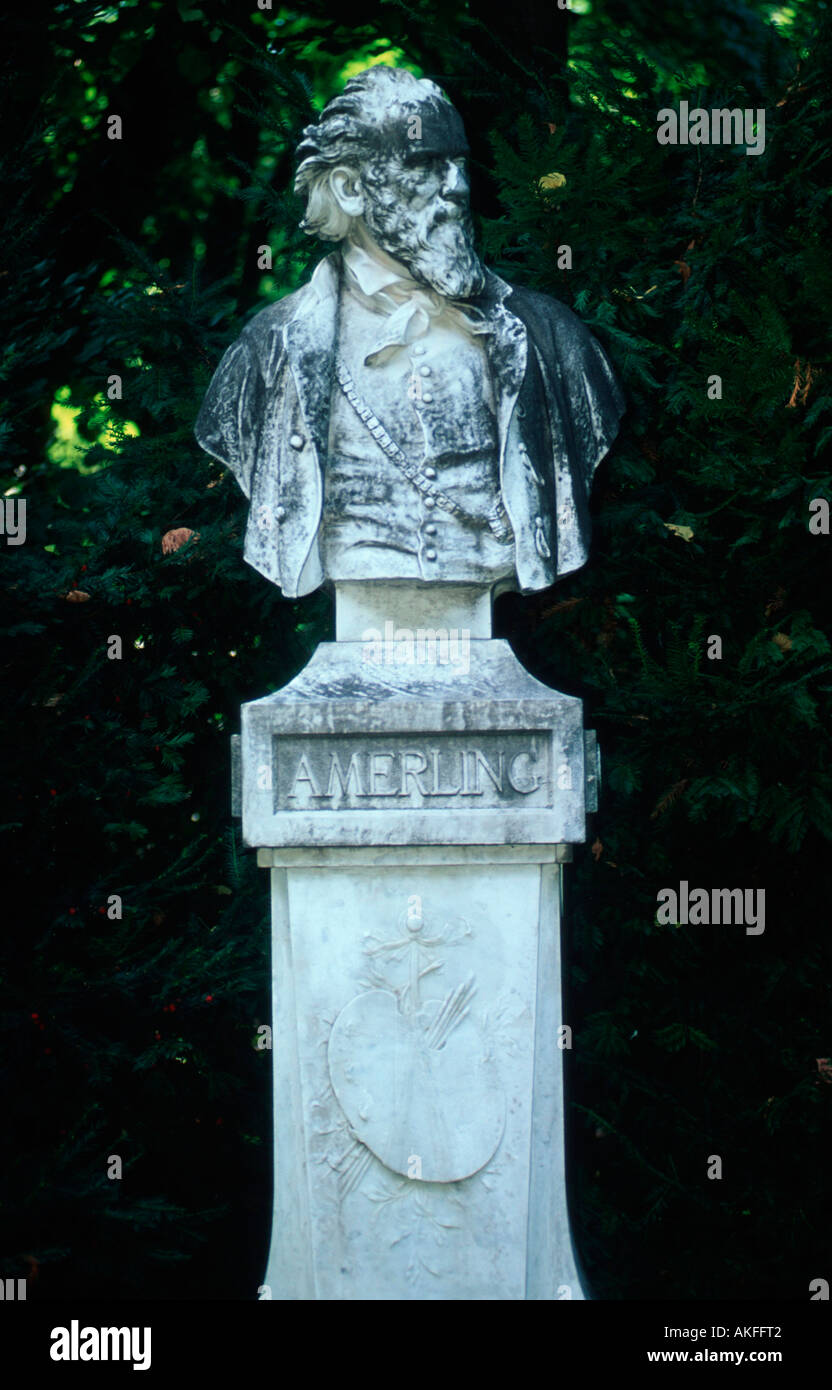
[(261, 344), (275, 316), (263, 334), (545, 316)]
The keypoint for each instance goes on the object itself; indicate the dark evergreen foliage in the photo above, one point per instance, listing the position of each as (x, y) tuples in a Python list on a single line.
[(137, 1036)]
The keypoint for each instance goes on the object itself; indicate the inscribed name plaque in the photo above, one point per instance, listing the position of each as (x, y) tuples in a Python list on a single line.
[(348, 755), (494, 769)]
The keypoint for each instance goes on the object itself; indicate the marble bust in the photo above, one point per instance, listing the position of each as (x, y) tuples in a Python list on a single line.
[(407, 415)]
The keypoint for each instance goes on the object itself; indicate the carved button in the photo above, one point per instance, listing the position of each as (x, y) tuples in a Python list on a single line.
[(427, 397), (296, 441), (280, 513), (424, 371), (538, 521), (430, 554), (430, 530), (430, 501), (419, 350), (429, 472)]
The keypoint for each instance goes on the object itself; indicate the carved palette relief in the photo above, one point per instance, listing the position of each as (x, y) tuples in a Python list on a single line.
[(412, 1070)]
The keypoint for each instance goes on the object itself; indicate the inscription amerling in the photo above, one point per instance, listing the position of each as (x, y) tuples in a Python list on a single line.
[(435, 770)]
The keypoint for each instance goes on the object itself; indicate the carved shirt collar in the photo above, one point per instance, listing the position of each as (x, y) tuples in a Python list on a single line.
[(325, 280), (310, 334), (386, 287), (371, 272)]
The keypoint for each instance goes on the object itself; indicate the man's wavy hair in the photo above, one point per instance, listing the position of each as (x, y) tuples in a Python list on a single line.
[(347, 134)]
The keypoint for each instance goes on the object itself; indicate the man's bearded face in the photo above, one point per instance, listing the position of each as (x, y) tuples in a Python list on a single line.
[(417, 209)]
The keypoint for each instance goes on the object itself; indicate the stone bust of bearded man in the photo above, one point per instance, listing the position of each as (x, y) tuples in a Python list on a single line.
[(408, 415)]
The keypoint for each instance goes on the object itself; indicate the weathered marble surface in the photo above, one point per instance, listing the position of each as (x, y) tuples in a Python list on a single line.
[(416, 976), (354, 752), (408, 1169), (497, 401), (420, 433)]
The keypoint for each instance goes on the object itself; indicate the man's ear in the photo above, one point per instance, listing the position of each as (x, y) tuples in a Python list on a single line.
[(346, 190)]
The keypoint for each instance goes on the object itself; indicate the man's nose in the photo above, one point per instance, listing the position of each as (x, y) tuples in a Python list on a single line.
[(455, 183)]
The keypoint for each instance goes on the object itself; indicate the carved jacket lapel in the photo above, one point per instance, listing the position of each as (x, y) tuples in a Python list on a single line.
[(310, 337), (507, 351)]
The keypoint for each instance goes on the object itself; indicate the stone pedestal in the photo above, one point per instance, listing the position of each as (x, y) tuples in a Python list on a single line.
[(415, 815)]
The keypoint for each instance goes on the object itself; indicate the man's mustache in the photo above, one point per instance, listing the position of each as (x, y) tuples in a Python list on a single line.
[(456, 218), (448, 212)]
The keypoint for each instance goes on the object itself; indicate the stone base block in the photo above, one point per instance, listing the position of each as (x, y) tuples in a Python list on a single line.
[(418, 1078)]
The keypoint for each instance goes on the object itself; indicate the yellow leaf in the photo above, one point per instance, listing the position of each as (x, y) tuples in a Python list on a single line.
[(552, 181), (684, 531)]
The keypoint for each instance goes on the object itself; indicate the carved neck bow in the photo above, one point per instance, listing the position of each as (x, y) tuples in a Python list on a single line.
[(409, 309)]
